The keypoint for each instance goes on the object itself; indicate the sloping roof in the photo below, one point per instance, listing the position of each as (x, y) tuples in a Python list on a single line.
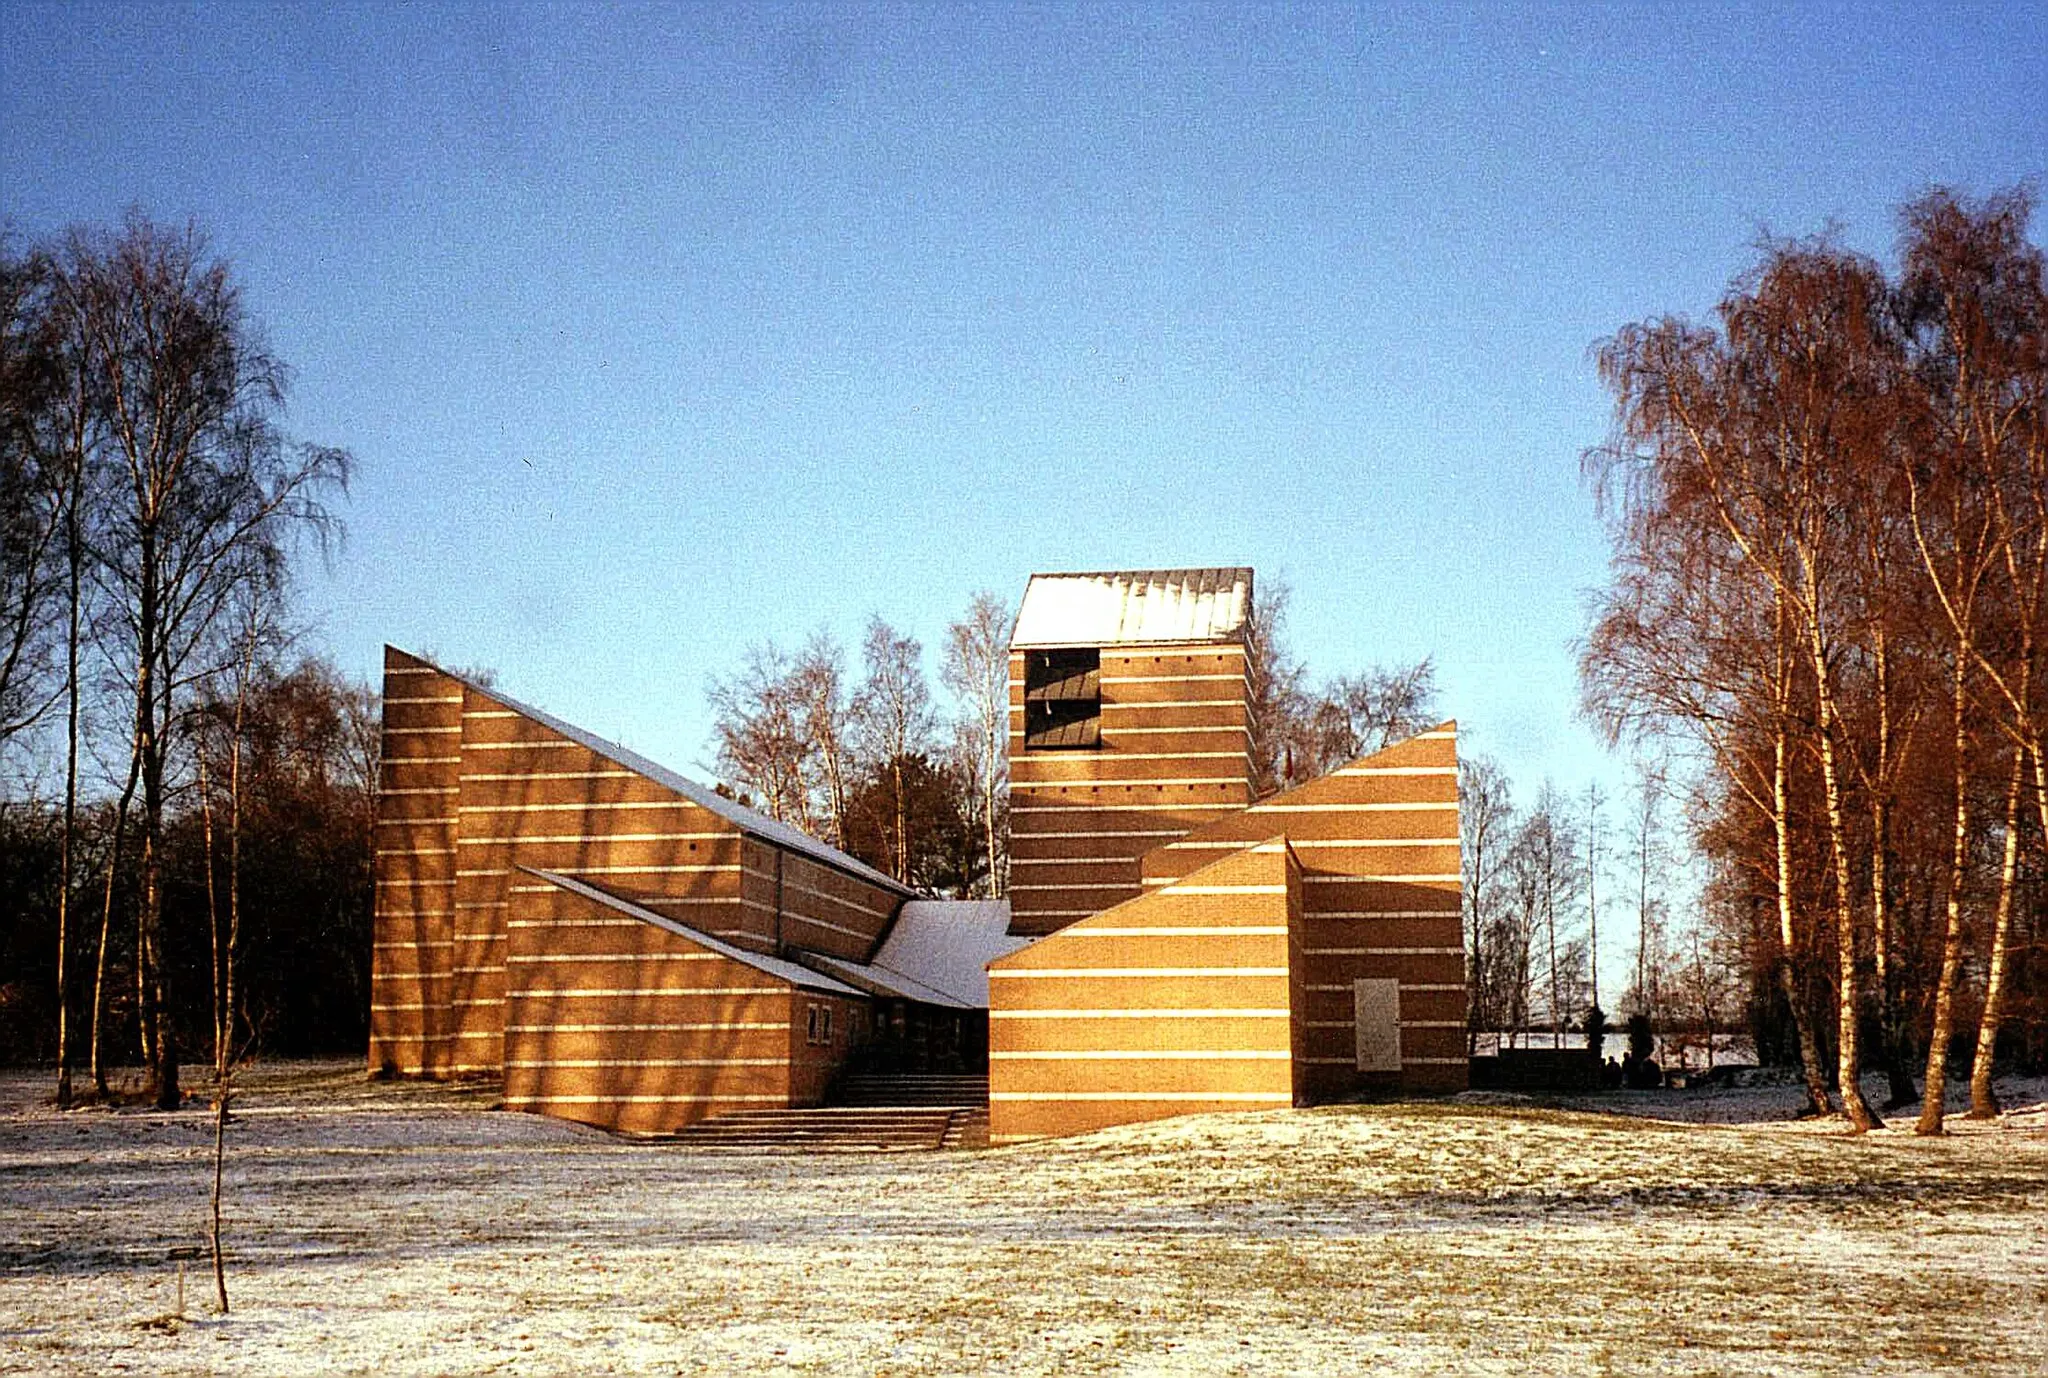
[(936, 952), (948, 944), (1134, 607), (746, 819), (770, 966)]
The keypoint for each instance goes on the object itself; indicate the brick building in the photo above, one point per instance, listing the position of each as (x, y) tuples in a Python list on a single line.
[(625, 947)]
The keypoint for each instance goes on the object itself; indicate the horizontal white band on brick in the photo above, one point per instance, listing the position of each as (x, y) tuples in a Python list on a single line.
[(1185, 1097), (415, 851), (400, 884), (419, 731), (522, 1102), (490, 713), (576, 923), (579, 806), (1432, 1023), (1134, 832), (791, 916), (775, 1026), (1427, 806), (1395, 770), (1173, 679), (656, 903), (1382, 952), (420, 789), (485, 937), (1208, 812), (381, 1008), (421, 760), (446, 821), (1060, 913), (791, 885), (401, 915), (1136, 650), (1174, 889), (1249, 1012), (556, 775), (597, 837), (480, 1001), (1129, 784), (1110, 755), (1076, 885), (565, 993), (1066, 972), (1302, 844), (536, 1063), (1416, 878), (477, 1033), (1239, 728), (1147, 1055), (1165, 931), (663, 870), (435, 699), (491, 968), (412, 942), (547, 744), (543, 958)]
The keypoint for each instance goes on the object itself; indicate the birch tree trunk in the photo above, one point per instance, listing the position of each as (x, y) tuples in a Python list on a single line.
[(1933, 1096)]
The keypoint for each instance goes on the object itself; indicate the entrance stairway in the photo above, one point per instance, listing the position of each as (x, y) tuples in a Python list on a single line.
[(863, 1113)]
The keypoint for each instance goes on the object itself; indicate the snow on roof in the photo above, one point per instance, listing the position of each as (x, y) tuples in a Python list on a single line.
[(948, 944), (748, 820), (772, 966), (1134, 607)]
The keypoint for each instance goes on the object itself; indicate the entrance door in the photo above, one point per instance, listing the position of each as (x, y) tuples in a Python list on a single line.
[(1376, 1008)]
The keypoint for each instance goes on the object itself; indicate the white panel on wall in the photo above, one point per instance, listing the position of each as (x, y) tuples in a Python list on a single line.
[(1376, 1006)]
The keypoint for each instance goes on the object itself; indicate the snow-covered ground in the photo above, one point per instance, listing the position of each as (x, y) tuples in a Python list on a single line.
[(382, 1228)]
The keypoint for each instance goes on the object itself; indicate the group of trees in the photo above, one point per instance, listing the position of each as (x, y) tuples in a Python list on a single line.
[(874, 767), (187, 822), (878, 768), (1539, 881), (1830, 596)]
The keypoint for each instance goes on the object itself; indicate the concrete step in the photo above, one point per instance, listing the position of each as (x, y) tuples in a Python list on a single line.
[(909, 1090), (967, 1129), (826, 1129)]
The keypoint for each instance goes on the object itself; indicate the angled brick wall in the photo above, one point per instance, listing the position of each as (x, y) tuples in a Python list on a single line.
[(413, 941), (1381, 887), (475, 787), (614, 1020), (1179, 1001)]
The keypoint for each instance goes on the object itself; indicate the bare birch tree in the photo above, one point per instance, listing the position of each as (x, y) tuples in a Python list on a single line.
[(211, 493), (893, 717), (976, 668)]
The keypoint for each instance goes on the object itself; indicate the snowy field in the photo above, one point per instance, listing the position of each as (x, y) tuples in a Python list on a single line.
[(405, 1229)]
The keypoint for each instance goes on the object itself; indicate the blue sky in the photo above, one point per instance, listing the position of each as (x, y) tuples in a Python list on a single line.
[(657, 331)]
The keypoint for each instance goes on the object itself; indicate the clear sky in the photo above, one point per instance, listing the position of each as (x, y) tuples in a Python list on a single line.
[(660, 330)]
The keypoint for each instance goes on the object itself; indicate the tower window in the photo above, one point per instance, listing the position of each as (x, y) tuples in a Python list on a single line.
[(1062, 699)]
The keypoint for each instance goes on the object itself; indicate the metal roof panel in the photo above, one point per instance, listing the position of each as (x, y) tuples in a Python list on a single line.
[(1134, 607)]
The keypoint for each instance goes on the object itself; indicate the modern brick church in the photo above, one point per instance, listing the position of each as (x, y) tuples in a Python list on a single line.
[(627, 948)]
